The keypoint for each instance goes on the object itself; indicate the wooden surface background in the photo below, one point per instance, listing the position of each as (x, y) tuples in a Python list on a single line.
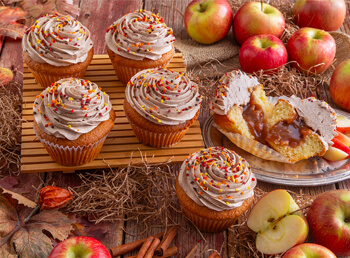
[(97, 15)]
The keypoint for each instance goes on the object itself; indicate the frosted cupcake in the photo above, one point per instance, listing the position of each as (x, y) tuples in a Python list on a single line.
[(161, 105), (215, 187), (72, 119), (55, 47), (138, 41)]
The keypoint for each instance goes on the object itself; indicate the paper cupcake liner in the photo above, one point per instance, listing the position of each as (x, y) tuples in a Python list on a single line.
[(72, 156), (254, 147), (157, 140), (208, 225), (45, 79), (124, 73)]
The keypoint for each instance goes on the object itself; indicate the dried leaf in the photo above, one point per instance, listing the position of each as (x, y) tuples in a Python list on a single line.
[(33, 240), (30, 238), (5, 76), (8, 22), (11, 183), (19, 198), (4, 253), (37, 8)]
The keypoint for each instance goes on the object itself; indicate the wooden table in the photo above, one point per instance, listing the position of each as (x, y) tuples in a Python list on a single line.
[(97, 15)]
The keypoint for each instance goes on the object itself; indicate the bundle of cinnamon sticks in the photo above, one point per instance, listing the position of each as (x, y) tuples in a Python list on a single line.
[(153, 246)]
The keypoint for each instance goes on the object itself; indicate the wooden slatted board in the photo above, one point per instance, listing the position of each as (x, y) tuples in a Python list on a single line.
[(121, 141)]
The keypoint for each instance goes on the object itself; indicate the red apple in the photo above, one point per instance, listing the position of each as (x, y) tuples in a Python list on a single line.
[(326, 15), (339, 86), (255, 18), (343, 124), (311, 50), (208, 21), (262, 52), (343, 138), (329, 221), (334, 154), (309, 250), (82, 247)]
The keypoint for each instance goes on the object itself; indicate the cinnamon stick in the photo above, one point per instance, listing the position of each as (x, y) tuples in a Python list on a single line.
[(152, 248), (214, 255), (166, 241), (145, 247), (123, 249), (169, 252)]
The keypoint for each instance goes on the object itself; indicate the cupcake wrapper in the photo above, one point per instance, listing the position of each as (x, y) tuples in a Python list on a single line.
[(124, 73), (45, 79), (157, 140), (73, 156), (254, 147), (208, 225)]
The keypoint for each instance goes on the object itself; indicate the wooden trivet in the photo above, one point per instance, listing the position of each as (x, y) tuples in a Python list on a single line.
[(121, 141)]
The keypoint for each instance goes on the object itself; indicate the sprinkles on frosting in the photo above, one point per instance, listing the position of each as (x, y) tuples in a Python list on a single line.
[(217, 173)]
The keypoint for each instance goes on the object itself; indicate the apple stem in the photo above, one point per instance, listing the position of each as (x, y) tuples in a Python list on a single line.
[(19, 225), (262, 4)]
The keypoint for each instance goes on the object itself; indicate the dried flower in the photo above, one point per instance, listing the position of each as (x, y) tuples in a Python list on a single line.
[(53, 197)]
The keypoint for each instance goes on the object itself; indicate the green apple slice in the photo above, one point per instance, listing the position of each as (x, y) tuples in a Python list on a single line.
[(288, 232), (278, 224)]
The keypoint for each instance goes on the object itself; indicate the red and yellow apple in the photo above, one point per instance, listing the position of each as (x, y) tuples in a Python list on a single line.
[(340, 149), (326, 15), (80, 247), (262, 52), (309, 250), (278, 224), (255, 18), (339, 86), (329, 220), (208, 21), (311, 50)]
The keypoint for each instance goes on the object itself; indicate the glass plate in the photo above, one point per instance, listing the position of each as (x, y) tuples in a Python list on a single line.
[(311, 172)]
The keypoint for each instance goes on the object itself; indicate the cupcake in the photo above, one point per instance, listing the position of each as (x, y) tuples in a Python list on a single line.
[(215, 187), (56, 47), (72, 119), (137, 41), (161, 105)]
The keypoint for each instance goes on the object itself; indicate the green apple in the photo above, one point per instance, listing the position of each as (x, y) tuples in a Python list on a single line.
[(278, 224)]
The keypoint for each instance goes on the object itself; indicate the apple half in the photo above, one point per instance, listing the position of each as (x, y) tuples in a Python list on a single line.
[(277, 223)]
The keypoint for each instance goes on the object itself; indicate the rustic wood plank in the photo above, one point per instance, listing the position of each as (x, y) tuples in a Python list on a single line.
[(98, 15), (11, 57), (172, 12)]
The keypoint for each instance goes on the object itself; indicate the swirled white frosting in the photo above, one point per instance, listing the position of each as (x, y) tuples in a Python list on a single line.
[(217, 178), (71, 107), (138, 35), (163, 96), (233, 89), (58, 40)]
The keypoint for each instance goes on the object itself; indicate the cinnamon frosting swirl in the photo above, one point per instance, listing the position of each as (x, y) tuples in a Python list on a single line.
[(163, 96), (140, 35), (217, 178), (71, 107), (58, 40)]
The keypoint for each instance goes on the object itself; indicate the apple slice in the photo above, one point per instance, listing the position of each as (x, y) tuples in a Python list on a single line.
[(334, 154), (343, 138), (276, 222), (343, 124), (341, 146)]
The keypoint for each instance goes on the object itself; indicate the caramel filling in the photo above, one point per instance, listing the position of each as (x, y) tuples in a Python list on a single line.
[(254, 116), (288, 134)]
